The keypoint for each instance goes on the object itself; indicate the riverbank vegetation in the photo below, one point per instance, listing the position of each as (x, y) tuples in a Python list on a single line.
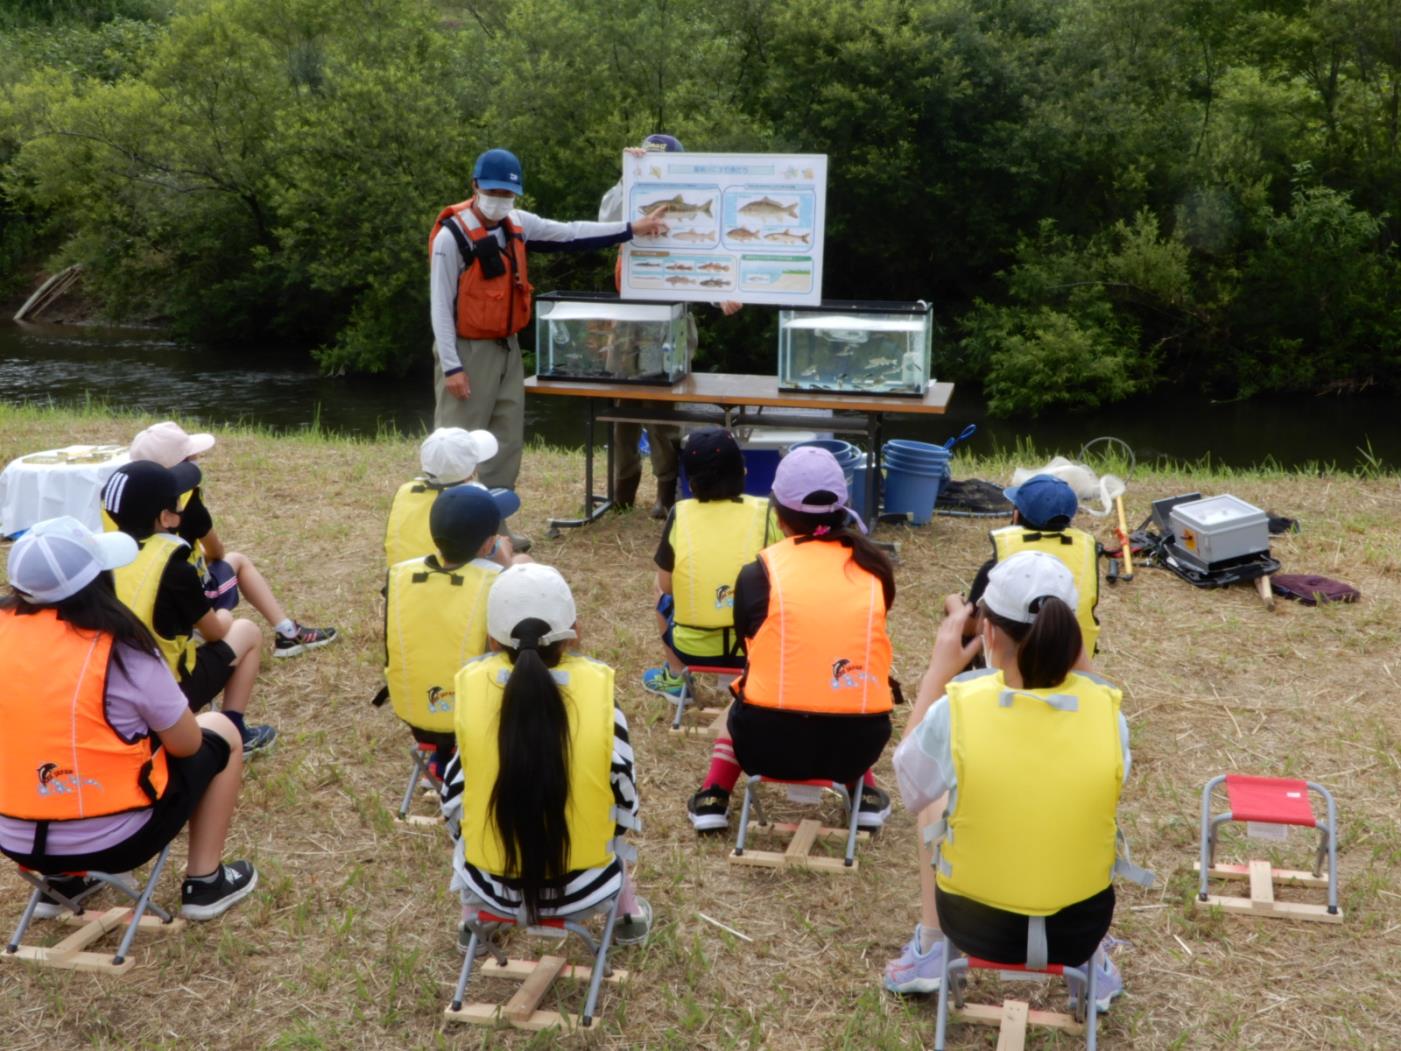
[(349, 941), (1100, 198)]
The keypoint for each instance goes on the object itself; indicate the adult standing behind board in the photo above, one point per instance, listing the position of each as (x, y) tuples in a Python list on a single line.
[(481, 299)]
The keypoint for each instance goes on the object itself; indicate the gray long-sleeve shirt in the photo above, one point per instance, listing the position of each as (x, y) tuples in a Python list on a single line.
[(541, 235)]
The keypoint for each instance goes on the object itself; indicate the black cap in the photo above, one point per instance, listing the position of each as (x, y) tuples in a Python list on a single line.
[(463, 518), (139, 491), (712, 452)]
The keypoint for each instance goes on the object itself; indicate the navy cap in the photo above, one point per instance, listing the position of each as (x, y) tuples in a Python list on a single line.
[(498, 170), (1045, 502), (139, 491), (663, 143), (464, 517), (712, 452)]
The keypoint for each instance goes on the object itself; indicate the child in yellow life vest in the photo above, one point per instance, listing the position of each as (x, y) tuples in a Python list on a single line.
[(1043, 507), (815, 696), (165, 592), (705, 542), (224, 572), (449, 456), (101, 761), (1023, 761), (542, 787), (435, 613)]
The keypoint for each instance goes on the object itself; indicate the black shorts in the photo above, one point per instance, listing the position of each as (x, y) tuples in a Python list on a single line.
[(189, 779), (800, 746), (212, 670), (1000, 936)]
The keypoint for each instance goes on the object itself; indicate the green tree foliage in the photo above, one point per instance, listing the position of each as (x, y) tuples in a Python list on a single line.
[(1101, 197)]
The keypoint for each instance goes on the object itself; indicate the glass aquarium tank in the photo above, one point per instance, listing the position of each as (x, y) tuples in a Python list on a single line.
[(856, 348), (603, 339)]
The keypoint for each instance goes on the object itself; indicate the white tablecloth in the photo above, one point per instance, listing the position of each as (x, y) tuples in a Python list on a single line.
[(57, 482)]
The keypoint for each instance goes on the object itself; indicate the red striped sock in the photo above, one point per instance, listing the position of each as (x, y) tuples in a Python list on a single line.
[(724, 771)]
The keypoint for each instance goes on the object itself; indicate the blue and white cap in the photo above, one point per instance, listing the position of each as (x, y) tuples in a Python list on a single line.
[(58, 557), (498, 169)]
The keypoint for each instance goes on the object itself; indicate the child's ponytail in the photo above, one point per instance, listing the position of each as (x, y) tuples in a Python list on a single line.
[(528, 801)]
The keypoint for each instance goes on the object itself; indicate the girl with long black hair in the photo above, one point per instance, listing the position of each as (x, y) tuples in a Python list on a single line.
[(542, 786), (101, 761), (815, 696), (1020, 764)]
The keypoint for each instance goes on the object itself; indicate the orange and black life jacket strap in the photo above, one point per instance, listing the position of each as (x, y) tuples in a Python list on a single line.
[(144, 780)]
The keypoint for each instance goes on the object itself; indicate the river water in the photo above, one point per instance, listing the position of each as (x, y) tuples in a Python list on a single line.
[(139, 370)]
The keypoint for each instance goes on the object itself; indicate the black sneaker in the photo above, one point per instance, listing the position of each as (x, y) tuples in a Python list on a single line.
[(71, 887), (204, 901), (873, 809), (709, 810), (258, 738), (305, 639)]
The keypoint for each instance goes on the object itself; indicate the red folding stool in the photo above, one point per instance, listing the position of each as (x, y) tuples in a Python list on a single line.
[(1013, 1016), (536, 976), (1273, 801), (688, 696), (803, 834)]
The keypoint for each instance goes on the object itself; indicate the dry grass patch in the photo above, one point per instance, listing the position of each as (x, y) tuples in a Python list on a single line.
[(349, 942)]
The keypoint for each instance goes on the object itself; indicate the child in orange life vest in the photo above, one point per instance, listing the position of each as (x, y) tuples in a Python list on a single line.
[(815, 697), (449, 456), (704, 543), (542, 787), (225, 571), (164, 590), (101, 761), (435, 612), (1030, 791)]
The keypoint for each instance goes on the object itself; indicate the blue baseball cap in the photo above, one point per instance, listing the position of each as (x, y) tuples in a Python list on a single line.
[(465, 517), (664, 143), (1045, 502), (498, 170)]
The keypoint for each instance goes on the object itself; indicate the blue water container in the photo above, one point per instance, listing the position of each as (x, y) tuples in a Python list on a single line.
[(915, 472)]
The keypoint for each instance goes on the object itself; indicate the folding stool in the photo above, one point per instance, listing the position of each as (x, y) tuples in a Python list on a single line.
[(803, 834), (536, 976), (688, 695), (422, 754), (68, 954), (1274, 801), (1014, 1016)]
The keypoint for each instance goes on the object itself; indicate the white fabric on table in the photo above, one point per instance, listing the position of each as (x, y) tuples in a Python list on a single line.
[(57, 482)]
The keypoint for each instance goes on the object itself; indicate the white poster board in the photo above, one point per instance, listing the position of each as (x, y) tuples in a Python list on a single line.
[(743, 226)]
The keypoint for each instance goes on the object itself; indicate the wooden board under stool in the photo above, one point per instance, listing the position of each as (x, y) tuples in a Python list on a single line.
[(798, 854), (1262, 878), (1012, 1019), (522, 1011), (69, 954)]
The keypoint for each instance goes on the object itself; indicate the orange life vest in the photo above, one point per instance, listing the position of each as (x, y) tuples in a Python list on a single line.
[(60, 759), (487, 307), (823, 646)]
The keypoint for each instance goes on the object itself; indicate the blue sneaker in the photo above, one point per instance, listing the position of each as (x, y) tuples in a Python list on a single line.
[(1109, 983), (914, 972), (660, 681)]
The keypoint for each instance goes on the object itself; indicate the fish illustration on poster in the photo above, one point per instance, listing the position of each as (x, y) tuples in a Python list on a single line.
[(742, 227)]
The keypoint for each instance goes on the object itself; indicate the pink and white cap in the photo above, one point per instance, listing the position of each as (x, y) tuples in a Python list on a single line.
[(58, 557), (167, 444)]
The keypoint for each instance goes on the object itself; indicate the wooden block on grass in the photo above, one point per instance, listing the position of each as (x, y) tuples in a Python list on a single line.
[(988, 1014), (1279, 910), (802, 841), (1011, 1035), (1262, 886), (533, 988), (1296, 877)]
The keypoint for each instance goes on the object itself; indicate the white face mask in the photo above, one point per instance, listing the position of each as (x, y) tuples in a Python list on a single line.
[(494, 209)]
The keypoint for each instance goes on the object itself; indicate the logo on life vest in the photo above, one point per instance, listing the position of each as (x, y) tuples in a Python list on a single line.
[(54, 781), (439, 699), (724, 597), (846, 675)]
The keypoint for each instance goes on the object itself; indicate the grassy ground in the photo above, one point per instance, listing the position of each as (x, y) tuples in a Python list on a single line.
[(349, 941)]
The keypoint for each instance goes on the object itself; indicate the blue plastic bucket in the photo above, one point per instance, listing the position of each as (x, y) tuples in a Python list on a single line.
[(915, 473), (857, 485)]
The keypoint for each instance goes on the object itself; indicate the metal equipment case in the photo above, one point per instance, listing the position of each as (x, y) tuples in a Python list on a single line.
[(1219, 530)]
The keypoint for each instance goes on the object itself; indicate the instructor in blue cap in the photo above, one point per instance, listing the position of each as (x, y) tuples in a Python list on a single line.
[(481, 297)]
